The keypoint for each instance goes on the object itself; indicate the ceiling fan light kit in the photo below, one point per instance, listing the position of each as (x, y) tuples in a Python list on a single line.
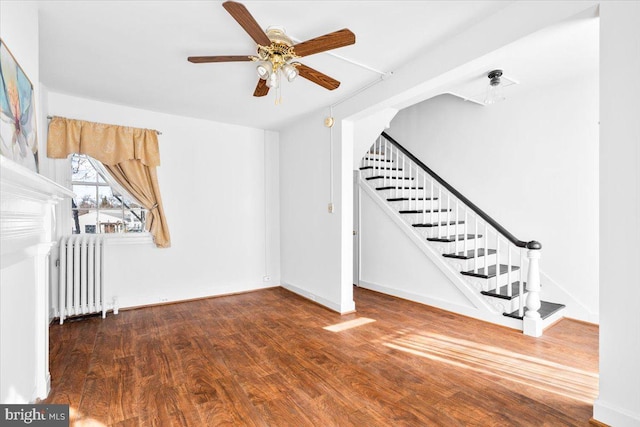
[(277, 54)]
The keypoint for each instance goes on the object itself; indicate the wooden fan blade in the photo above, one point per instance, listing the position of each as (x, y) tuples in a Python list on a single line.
[(220, 58), (246, 21), (329, 41), (317, 77), (262, 89)]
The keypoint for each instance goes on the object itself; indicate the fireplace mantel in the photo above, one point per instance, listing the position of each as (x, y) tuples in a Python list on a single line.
[(27, 233)]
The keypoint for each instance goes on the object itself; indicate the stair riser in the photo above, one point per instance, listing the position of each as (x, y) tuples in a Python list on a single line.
[(450, 230), (380, 155), (510, 305), (450, 247), (502, 279), (415, 204), (419, 193), (378, 172), (415, 218), (394, 182), (467, 264)]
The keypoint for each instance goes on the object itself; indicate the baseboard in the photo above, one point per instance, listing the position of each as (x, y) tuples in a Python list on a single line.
[(219, 295), (127, 302), (444, 305), (607, 414), (338, 308)]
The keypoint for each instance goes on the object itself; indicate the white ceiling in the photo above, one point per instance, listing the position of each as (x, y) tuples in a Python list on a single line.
[(134, 52)]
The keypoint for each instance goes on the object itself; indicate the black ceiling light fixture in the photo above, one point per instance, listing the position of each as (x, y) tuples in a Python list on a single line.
[(494, 90)]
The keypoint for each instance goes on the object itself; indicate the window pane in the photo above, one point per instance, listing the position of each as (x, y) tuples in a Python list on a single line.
[(96, 209), (110, 221), (81, 169), (131, 204), (134, 220), (85, 196), (87, 221), (107, 200), (75, 224)]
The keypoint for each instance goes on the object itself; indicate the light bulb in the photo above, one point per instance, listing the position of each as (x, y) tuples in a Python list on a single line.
[(273, 80), (264, 69), (290, 72)]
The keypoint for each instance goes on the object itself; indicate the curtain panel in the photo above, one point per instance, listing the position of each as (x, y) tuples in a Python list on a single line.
[(130, 154)]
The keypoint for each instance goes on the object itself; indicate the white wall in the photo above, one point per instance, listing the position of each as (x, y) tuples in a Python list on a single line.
[(219, 186), (531, 163), (21, 332), (391, 263), (619, 401), (311, 237)]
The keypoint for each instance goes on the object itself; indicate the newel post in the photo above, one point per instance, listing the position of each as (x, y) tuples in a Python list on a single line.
[(532, 322)]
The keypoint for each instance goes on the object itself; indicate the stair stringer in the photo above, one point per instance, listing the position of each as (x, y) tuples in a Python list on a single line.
[(488, 311)]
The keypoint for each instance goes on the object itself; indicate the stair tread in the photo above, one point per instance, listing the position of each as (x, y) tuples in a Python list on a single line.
[(502, 291), (404, 199), (369, 178), (437, 224), (470, 254), (393, 187), (452, 238), (378, 168), (419, 211), (546, 309), (378, 160), (491, 271)]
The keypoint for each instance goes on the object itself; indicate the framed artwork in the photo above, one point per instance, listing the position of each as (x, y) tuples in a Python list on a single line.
[(18, 137)]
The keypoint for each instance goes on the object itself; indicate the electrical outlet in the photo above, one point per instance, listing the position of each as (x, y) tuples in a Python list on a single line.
[(266, 279), (330, 208)]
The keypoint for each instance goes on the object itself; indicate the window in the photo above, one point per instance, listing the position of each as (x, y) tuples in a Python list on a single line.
[(101, 205)]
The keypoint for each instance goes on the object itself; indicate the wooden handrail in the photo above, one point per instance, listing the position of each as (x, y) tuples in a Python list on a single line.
[(530, 245)]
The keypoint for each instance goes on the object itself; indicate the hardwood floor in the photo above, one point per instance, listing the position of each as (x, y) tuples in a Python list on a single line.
[(265, 359)]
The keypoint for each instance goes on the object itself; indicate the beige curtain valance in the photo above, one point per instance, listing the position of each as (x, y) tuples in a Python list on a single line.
[(110, 144), (129, 154)]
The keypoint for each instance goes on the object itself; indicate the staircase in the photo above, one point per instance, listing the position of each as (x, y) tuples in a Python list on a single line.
[(497, 272)]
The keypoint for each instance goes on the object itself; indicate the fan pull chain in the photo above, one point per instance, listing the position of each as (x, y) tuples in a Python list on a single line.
[(278, 91)]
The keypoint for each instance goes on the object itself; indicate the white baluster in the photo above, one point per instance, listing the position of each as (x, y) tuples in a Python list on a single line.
[(404, 169), (497, 262), (455, 228), (448, 215), (377, 155), (397, 156), (532, 324), (521, 285), (409, 184), (509, 291), (486, 247), (424, 197), (475, 245), (433, 205), (466, 231), (440, 227), (384, 164)]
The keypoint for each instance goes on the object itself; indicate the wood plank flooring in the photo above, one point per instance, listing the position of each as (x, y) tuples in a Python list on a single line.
[(265, 359)]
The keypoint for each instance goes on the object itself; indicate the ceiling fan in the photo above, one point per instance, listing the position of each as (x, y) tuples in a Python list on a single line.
[(277, 54)]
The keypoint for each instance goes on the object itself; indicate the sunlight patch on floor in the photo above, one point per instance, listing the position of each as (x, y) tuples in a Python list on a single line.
[(339, 327), (77, 420), (532, 371)]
